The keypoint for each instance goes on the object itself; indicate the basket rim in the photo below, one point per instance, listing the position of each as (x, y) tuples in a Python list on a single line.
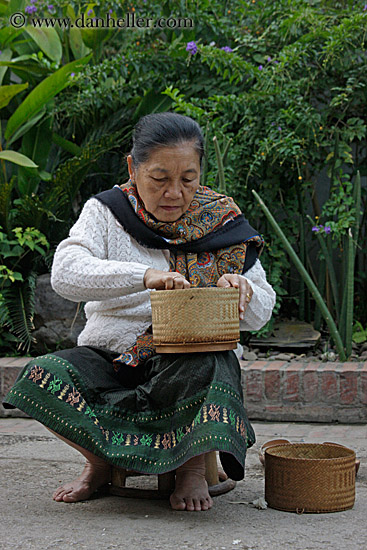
[(207, 288), (270, 451), (165, 343)]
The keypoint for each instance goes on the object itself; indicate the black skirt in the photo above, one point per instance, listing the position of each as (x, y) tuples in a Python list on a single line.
[(151, 418)]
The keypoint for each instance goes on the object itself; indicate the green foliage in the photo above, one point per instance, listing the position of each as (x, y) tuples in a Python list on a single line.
[(42, 94), (17, 283), (309, 282), (39, 182), (359, 333), (289, 98)]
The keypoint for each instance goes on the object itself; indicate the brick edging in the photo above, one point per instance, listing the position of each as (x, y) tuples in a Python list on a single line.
[(308, 392), (274, 390)]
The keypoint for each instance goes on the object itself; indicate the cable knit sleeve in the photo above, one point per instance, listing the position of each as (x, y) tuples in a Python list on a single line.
[(262, 303), (81, 270)]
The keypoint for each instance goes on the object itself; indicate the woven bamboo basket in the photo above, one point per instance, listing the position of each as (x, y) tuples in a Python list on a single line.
[(310, 477), (195, 319)]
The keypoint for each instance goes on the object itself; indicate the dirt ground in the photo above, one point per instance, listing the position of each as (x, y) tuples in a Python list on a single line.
[(34, 463)]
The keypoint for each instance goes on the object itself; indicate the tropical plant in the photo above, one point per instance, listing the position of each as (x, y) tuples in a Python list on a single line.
[(41, 171), (282, 82), (340, 327), (359, 333), (17, 284)]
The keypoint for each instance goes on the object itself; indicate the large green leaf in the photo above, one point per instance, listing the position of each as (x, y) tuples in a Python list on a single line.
[(92, 36), (17, 158), (28, 181), (36, 143), (24, 57), (41, 94), (8, 35), (77, 45), (67, 145), (16, 5), (4, 56), (5, 203), (152, 102), (48, 40), (3, 9), (25, 127), (8, 92), (24, 68)]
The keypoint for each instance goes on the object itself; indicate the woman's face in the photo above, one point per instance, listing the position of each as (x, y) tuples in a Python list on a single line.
[(168, 180)]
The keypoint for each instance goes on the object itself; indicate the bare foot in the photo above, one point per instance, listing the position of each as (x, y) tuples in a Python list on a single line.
[(191, 491), (94, 475)]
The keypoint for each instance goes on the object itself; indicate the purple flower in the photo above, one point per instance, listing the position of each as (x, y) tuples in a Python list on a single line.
[(276, 62), (33, 1), (273, 123), (30, 9), (227, 49), (365, 7), (89, 12), (51, 8), (279, 128), (72, 75), (260, 67), (191, 47), (110, 10), (315, 229), (268, 59), (1, 52), (327, 229)]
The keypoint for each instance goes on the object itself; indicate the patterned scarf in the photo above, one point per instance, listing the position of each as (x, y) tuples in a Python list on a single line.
[(208, 212)]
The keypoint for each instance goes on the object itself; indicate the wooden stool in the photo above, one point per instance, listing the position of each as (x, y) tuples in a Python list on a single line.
[(218, 482)]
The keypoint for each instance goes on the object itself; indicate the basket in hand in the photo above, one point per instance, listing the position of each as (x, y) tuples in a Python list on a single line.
[(195, 319)]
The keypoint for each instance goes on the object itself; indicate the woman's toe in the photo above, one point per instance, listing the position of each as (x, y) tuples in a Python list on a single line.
[(177, 503), (204, 504), (70, 497), (60, 496), (190, 504), (197, 505), (57, 492)]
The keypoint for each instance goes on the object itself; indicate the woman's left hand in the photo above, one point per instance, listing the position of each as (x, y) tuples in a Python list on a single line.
[(237, 281)]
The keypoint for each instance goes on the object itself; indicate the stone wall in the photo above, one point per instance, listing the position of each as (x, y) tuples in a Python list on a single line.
[(305, 391), (57, 321)]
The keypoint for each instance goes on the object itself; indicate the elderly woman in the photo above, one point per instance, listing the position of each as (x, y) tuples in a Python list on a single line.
[(112, 397)]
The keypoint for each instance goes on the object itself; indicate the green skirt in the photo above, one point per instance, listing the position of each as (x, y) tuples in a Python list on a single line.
[(150, 418)]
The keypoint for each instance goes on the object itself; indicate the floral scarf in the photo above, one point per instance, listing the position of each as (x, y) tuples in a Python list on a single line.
[(209, 215)]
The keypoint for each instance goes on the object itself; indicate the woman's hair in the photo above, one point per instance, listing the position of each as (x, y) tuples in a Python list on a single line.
[(164, 130)]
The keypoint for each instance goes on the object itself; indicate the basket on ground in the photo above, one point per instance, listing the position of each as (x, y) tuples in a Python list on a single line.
[(310, 477), (195, 319)]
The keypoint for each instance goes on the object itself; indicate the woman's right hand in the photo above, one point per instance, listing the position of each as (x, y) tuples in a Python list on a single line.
[(164, 280)]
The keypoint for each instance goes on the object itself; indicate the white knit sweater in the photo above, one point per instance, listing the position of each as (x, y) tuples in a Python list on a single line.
[(101, 264)]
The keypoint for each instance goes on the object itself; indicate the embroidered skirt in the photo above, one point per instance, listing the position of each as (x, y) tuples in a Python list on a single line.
[(150, 418)]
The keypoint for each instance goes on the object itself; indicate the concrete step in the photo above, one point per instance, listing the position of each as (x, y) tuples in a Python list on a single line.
[(275, 391)]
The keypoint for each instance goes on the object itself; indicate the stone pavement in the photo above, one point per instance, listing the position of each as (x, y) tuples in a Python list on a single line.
[(34, 462)]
